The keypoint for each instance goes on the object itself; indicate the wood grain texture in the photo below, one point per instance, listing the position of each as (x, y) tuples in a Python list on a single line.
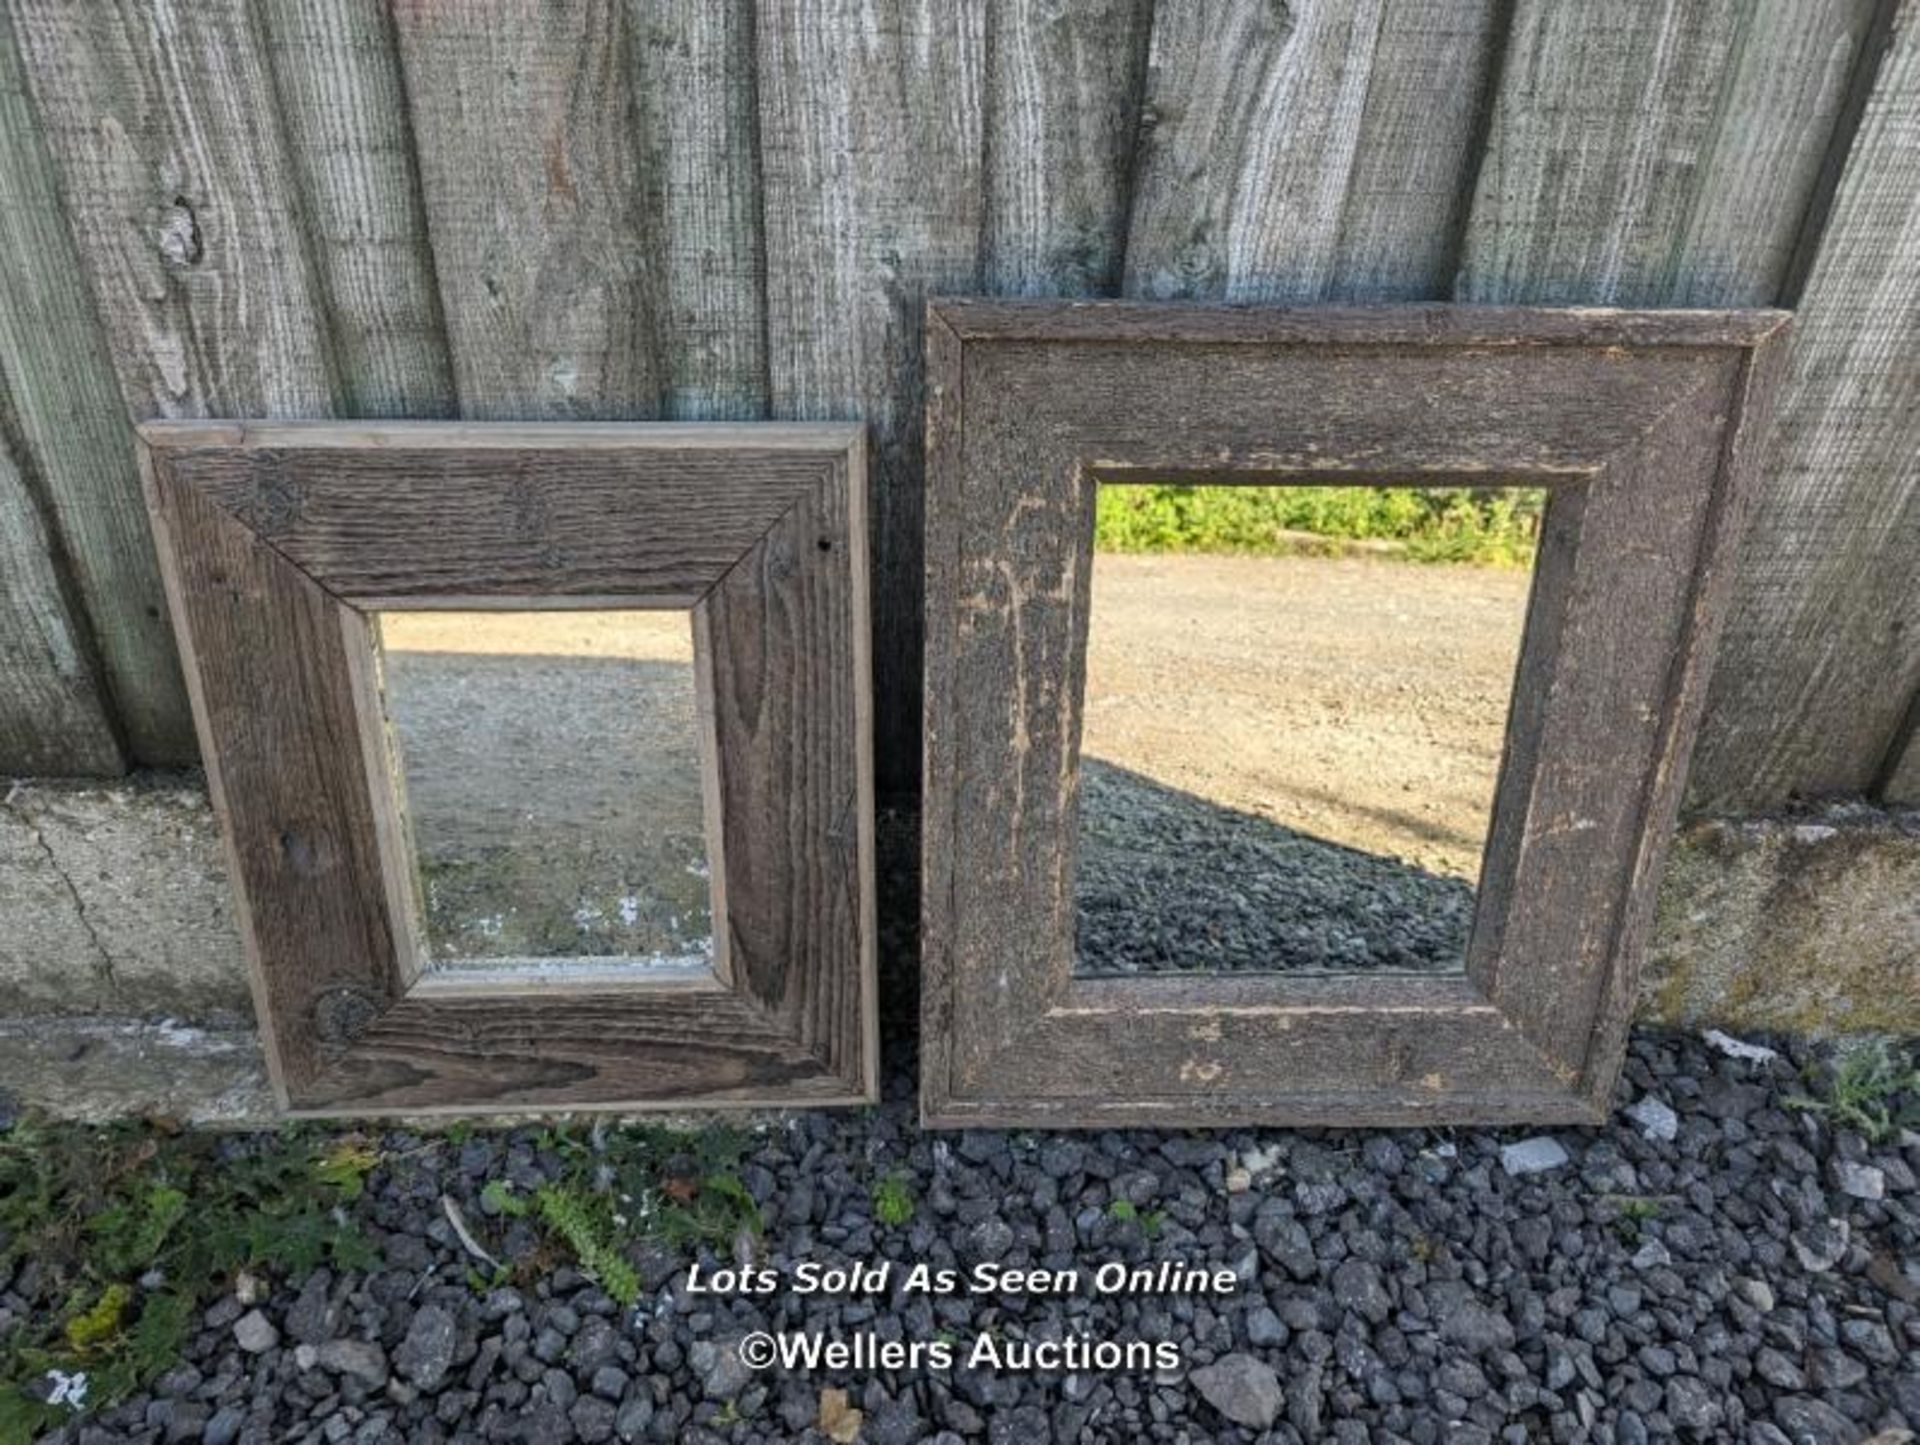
[(666, 1050), (524, 128), (1305, 152), (1638, 443), (162, 120), (1065, 88), (1822, 654), (870, 135), (1661, 154), (426, 527), (269, 534), (53, 710), (779, 632), (698, 128), (1901, 780), (61, 414), (337, 83), (1795, 70), (268, 667)]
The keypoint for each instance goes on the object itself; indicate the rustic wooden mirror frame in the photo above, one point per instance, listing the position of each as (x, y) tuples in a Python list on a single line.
[(278, 541), (1642, 427)]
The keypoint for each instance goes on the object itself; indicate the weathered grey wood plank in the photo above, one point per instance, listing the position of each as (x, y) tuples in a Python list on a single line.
[(1822, 653), (337, 79), (162, 119), (64, 414), (1902, 778), (523, 119), (698, 131), (53, 714), (418, 525), (1062, 116), (1656, 154), (264, 550), (779, 636), (1304, 152), (870, 128), (1795, 67)]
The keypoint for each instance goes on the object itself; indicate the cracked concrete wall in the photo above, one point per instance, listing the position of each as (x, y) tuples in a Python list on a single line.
[(114, 900)]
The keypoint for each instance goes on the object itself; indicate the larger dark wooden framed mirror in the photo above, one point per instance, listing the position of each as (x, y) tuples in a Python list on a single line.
[(541, 751), (1637, 427)]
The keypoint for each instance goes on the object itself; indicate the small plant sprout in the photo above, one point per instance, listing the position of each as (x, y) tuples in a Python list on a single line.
[(893, 1198), (1869, 1087)]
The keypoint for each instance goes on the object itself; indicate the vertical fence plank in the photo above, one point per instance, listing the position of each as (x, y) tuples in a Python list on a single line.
[(1062, 112), (1822, 651), (870, 127), (523, 120), (1605, 117), (53, 716), (162, 121), (1646, 155), (1796, 67), (1674, 155), (1406, 198), (699, 135), (1901, 783), (65, 421), (1301, 152), (338, 84)]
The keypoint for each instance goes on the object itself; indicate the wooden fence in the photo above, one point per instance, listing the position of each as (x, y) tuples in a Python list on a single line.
[(717, 209)]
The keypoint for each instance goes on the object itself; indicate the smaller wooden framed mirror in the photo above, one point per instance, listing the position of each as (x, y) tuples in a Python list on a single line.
[(541, 752), (1219, 841)]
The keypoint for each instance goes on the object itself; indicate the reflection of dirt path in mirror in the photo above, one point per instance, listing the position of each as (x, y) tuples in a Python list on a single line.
[(553, 782), (1282, 704)]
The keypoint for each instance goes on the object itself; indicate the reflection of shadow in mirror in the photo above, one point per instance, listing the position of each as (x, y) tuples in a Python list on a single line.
[(1293, 717), (1170, 881), (553, 796)]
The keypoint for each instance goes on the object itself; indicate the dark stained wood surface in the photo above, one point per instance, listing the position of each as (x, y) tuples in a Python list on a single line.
[(1031, 405), (273, 545)]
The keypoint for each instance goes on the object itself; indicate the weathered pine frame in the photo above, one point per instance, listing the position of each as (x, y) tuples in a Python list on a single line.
[(1642, 427), (278, 542)]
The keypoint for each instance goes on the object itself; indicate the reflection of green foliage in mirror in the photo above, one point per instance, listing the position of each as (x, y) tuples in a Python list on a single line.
[(1495, 526)]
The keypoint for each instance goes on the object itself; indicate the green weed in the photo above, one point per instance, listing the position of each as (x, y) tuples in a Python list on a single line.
[(580, 1219), (1868, 1087), (132, 1229), (893, 1198), (1632, 1211), (503, 1198)]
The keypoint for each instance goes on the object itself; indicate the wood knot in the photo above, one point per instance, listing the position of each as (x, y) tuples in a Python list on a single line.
[(179, 236), (342, 1015)]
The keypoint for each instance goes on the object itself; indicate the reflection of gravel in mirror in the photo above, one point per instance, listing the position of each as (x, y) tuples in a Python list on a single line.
[(1168, 881)]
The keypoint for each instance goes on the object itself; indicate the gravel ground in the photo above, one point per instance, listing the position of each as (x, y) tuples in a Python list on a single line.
[(1392, 1286), (1168, 881), (1716, 1265), (1358, 701)]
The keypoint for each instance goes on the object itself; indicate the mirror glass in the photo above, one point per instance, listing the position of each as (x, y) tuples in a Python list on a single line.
[(1295, 706), (550, 776)]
